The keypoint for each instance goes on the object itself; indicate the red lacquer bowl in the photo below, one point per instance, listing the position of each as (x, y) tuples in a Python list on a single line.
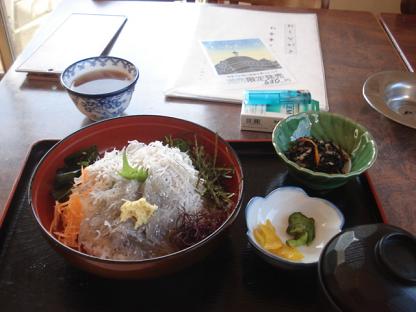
[(115, 133)]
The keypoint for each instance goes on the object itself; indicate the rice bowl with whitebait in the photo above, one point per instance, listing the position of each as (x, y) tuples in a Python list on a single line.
[(113, 217)]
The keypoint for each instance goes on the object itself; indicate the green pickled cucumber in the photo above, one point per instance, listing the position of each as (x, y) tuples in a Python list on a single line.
[(301, 228)]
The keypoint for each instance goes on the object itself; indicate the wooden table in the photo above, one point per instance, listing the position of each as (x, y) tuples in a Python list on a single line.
[(402, 31), (354, 46)]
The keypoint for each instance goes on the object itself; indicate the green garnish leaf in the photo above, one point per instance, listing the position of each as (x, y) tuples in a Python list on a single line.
[(179, 143), (140, 174), (210, 174), (64, 178), (82, 158)]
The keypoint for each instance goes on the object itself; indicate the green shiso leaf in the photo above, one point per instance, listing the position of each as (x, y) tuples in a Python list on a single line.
[(140, 174)]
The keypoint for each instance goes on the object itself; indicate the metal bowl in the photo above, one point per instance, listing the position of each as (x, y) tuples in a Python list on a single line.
[(115, 133), (393, 94)]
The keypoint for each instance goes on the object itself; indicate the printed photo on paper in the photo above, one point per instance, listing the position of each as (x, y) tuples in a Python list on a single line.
[(245, 61)]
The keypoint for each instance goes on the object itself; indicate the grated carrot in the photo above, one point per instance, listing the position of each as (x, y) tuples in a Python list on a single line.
[(68, 215)]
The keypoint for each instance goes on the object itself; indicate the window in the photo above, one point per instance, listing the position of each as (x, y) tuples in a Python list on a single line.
[(19, 20)]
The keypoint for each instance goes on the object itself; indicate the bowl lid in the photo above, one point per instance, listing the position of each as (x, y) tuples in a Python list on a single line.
[(370, 267)]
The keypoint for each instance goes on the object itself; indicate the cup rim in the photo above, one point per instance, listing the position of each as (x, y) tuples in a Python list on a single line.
[(99, 95)]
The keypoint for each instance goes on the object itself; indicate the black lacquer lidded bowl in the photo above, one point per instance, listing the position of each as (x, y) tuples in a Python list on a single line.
[(370, 268)]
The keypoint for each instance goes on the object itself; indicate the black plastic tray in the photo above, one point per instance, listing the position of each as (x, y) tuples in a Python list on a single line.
[(33, 277)]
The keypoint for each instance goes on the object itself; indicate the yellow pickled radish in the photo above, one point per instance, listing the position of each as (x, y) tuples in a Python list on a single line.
[(272, 241), (265, 235), (259, 236), (290, 253)]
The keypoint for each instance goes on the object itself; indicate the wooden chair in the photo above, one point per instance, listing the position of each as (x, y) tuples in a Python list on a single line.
[(324, 4), (408, 6)]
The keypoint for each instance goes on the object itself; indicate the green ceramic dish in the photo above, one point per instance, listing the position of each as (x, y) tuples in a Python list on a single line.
[(350, 136)]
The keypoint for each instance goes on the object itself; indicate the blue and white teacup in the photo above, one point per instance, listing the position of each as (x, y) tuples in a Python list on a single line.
[(101, 87)]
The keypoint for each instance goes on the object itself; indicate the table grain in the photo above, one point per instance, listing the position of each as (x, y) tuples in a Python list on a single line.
[(401, 29), (155, 38)]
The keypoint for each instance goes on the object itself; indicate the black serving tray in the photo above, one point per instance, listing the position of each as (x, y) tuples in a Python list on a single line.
[(34, 278)]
